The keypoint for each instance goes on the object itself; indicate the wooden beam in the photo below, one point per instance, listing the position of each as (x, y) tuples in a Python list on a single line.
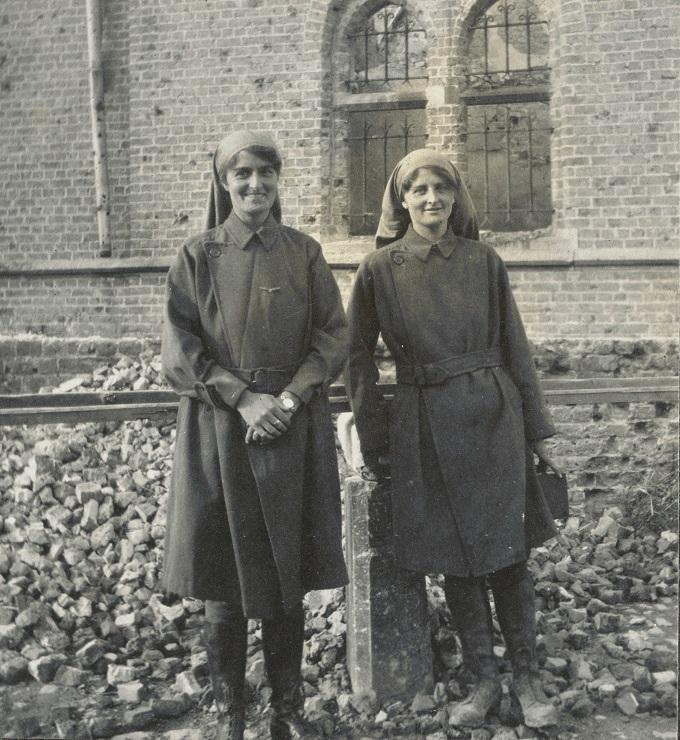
[(162, 412), (161, 405)]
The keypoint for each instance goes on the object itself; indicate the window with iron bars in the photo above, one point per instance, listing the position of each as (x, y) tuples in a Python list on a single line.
[(387, 55), (508, 117)]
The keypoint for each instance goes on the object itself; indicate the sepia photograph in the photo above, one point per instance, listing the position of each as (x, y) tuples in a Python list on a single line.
[(339, 369)]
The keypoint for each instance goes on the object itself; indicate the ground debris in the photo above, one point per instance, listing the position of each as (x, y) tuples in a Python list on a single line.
[(82, 522)]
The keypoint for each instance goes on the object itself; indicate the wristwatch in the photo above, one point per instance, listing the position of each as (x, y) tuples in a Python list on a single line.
[(289, 403)]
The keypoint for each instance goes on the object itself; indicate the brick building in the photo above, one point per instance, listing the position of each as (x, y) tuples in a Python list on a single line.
[(563, 115)]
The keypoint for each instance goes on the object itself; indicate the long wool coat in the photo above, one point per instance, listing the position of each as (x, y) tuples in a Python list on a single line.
[(464, 492), (252, 524)]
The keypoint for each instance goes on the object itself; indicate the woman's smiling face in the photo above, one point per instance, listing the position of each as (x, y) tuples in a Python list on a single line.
[(252, 183), (429, 200)]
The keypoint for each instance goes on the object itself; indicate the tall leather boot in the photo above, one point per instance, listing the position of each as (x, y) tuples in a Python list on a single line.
[(226, 644), (513, 593), (469, 606), (282, 639)]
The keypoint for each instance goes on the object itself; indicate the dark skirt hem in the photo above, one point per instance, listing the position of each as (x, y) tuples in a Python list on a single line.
[(429, 569), (188, 592)]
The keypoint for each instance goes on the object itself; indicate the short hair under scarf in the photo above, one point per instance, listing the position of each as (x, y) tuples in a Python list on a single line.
[(395, 219), (219, 201)]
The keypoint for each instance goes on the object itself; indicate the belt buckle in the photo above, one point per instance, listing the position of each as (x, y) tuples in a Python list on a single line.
[(255, 376)]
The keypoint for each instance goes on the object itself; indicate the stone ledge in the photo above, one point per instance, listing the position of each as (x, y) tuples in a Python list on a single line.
[(100, 266), (545, 248), (545, 251)]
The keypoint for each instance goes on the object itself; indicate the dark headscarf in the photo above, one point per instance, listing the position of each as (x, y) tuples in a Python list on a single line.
[(219, 201), (395, 219)]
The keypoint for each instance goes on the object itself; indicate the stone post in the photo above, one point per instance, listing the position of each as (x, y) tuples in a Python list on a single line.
[(388, 635)]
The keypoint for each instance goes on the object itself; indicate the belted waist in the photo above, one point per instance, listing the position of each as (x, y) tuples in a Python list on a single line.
[(265, 379), (434, 373)]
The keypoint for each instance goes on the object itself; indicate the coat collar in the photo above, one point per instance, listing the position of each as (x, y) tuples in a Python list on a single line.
[(422, 248), (241, 235)]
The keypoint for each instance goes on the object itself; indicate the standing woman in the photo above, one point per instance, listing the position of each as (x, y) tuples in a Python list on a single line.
[(254, 332), (466, 416)]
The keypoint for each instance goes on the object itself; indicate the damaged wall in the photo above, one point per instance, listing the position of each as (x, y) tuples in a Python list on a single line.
[(180, 74)]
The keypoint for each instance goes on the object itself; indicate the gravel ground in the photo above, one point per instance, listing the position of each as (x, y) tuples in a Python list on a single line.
[(89, 647)]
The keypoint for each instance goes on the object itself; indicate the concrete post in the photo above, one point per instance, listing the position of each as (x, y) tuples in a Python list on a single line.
[(388, 635)]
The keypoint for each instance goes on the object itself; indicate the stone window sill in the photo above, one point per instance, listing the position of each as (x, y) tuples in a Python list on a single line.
[(545, 248)]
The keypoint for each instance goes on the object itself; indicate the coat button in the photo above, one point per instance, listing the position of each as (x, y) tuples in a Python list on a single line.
[(398, 259), (214, 251)]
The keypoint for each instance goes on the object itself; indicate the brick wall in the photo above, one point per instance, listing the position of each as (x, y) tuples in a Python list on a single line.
[(83, 306), (46, 183), (615, 110), (614, 452), (179, 74), (29, 362), (570, 302)]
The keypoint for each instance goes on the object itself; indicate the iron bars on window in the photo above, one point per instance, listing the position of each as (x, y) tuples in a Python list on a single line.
[(509, 47), (509, 165), (389, 48), (377, 140)]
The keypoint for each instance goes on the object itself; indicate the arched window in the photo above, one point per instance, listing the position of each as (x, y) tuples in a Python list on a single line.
[(383, 105), (508, 117)]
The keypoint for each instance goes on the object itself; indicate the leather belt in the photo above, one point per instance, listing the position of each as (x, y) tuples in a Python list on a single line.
[(434, 373), (265, 379)]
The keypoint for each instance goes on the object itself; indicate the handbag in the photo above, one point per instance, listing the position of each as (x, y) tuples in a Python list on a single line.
[(554, 489)]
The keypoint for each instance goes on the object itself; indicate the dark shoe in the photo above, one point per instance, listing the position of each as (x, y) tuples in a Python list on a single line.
[(537, 708), (226, 645), (291, 727), (287, 721), (472, 711)]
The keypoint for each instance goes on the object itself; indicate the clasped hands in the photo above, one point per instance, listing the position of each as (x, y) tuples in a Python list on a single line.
[(266, 416)]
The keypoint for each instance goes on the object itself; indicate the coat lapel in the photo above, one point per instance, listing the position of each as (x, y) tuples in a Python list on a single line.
[(402, 265), (231, 274)]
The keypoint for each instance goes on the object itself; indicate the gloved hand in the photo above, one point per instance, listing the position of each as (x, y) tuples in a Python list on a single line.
[(540, 449), (376, 466)]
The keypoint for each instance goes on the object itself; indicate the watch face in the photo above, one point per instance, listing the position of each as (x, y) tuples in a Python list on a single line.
[(288, 403)]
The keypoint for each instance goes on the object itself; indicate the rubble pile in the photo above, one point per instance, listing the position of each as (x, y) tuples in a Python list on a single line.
[(82, 518), (82, 521), (606, 597), (139, 373)]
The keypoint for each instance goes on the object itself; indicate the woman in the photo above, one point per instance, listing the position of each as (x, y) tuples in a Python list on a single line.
[(254, 331), (466, 414)]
